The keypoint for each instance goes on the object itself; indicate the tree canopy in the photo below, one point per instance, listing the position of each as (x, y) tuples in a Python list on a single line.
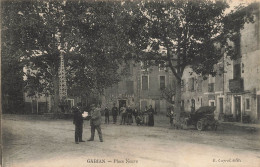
[(98, 37), (192, 33), (89, 34)]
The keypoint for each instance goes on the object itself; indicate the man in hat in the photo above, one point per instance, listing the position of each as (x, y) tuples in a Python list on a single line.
[(114, 113), (95, 123), (123, 114), (106, 115), (78, 122)]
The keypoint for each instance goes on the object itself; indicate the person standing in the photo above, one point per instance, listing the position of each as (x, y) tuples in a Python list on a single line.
[(123, 115), (106, 115), (114, 113), (95, 123), (135, 113), (171, 115), (151, 116), (129, 117), (145, 115), (78, 122)]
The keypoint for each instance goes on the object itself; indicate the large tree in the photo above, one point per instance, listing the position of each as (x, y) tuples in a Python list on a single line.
[(11, 65), (89, 34), (96, 37), (193, 34)]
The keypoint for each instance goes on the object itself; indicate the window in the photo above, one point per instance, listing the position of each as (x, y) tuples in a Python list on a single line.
[(199, 87), (130, 87), (191, 84), (193, 103), (211, 84), (144, 65), (237, 71), (162, 66), (211, 102), (211, 87), (211, 79), (247, 104), (162, 82), (70, 102), (143, 104), (145, 82)]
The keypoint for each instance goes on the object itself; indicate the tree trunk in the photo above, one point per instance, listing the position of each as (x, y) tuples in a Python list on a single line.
[(37, 106), (177, 106), (32, 106), (55, 107)]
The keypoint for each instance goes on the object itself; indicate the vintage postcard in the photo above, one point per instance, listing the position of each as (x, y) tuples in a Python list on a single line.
[(92, 83)]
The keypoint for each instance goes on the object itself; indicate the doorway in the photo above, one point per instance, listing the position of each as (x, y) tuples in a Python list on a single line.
[(221, 104), (121, 104), (143, 105)]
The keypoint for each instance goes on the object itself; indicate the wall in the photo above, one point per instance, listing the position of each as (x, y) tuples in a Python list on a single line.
[(197, 94), (152, 96)]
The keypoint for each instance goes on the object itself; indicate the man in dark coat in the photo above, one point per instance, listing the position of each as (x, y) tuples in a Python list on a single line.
[(129, 118), (78, 122), (114, 113), (123, 115), (150, 116), (106, 115), (95, 123), (135, 113), (170, 114)]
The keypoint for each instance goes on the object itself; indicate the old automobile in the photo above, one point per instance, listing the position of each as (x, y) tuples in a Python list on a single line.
[(202, 119)]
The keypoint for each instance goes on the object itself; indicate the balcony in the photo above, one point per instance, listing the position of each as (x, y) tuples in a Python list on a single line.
[(236, 85)]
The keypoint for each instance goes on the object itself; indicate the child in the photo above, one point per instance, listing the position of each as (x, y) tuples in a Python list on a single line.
[(78, 122), (139, 119)]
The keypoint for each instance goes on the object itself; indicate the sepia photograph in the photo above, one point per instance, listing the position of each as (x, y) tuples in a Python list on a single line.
[(130, 83)]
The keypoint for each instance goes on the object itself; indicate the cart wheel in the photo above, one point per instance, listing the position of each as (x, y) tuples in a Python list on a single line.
[(200, 126)]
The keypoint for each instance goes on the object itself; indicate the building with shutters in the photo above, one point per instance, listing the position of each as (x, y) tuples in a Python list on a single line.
[(243, 77), (235, 92), (200, 91), (142, 87)]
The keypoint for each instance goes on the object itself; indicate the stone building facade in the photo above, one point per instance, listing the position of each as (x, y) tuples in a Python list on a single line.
[(244, 78), (236, 91), (142, 87)]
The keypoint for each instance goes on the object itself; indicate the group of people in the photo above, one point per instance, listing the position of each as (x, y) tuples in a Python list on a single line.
[(95, 122), (128, 115), (115, 114)]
